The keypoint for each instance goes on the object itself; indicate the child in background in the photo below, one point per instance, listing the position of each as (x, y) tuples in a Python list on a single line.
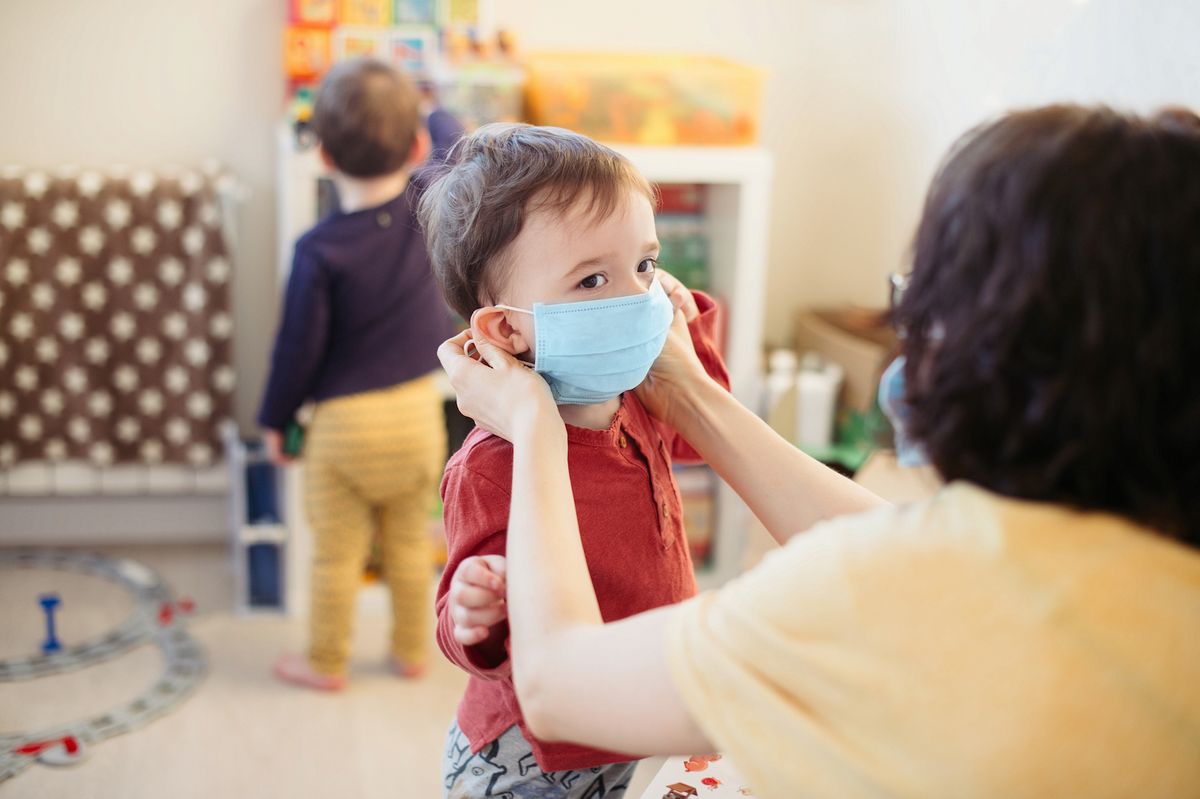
[(362, 320), (545, 240)]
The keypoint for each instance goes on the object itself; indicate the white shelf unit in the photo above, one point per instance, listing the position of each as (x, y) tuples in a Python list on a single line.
[(737, 183)]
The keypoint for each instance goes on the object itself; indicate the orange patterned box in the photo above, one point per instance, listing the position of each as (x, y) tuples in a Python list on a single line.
[(369, 13), (307, 52), (313, 12), (653, 98)]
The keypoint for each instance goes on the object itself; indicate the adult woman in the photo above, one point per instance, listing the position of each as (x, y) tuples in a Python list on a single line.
[(1031, 630)]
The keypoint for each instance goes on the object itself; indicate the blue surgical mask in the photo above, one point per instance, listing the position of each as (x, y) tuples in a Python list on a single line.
[(891, 402), (591, 351)]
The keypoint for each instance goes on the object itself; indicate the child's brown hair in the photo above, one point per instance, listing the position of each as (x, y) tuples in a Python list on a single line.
[(500, 173), (367, 116)]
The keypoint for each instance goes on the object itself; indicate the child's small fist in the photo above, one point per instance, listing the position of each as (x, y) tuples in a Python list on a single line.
[(477, 593), (681, 297)]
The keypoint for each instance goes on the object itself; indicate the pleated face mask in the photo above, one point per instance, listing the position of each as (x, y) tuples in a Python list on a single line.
[(592, 351)]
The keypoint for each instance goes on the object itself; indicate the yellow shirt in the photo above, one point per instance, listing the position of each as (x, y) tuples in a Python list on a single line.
[(969, 646)]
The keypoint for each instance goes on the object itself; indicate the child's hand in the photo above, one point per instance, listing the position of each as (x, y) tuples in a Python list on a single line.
[(477, 593), (273, 440), (680, 296)]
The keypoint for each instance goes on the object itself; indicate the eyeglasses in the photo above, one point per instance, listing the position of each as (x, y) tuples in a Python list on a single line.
[(897, 285)]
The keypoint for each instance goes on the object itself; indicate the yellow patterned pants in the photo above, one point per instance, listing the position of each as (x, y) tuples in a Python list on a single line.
[(371, 464)]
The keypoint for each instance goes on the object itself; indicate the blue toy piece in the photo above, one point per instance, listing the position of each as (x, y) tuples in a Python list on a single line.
[(49, 602)]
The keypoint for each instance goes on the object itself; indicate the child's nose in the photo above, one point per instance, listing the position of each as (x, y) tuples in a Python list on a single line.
[(638, 283)]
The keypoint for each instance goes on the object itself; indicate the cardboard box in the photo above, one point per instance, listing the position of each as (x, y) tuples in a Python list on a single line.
[(854, 338)]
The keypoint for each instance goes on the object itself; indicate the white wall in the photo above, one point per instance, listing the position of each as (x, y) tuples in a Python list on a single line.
[(147, 82), (865, 96)]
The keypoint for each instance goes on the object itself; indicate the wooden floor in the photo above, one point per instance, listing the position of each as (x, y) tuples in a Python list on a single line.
[(242, 734)]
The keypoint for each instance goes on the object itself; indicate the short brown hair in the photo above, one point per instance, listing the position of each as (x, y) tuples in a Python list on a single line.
[(501, 172), (1052, 328), (366, 115)]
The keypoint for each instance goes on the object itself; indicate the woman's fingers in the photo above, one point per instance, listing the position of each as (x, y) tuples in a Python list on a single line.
[(493, 356), (452, 354), (681, 297)]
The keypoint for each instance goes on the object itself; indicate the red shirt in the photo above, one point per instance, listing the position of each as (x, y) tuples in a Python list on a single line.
[(630, 523)]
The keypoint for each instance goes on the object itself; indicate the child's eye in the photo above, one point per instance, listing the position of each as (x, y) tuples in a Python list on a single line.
[(593, 281), (647, 265)]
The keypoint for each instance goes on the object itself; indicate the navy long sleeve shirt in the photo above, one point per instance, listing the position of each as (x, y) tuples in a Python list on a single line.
[(362, 310)]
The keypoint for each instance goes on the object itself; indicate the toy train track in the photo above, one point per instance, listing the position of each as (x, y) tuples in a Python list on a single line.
[(157, 618)]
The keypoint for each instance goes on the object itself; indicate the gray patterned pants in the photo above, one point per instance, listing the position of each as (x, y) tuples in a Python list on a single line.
[(506, 769)]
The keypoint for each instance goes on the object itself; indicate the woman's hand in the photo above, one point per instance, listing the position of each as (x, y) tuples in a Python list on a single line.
[(681, 296), (499, 392), (678, 371)]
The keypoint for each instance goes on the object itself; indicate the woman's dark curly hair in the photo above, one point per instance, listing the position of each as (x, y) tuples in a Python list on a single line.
[(1052, 321)]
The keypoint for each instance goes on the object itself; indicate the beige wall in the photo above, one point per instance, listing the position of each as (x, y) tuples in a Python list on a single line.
[(96, 82), (864, 97)]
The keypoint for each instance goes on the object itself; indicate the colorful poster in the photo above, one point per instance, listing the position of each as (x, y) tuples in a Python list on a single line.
[(370, 13)]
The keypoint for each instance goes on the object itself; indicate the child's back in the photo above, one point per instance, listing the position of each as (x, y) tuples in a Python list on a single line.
[(361, 324)]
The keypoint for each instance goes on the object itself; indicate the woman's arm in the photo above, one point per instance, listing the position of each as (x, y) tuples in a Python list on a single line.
[(577, 679), (787, 490)]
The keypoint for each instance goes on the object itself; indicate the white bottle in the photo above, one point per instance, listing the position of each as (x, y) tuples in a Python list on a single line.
[(779, 395), (817, 386)]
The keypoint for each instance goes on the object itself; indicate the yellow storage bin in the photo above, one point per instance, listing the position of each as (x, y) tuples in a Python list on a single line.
[(659, 99)]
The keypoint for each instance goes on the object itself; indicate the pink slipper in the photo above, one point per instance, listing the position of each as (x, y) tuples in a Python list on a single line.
[(408, 671), (292, 667)]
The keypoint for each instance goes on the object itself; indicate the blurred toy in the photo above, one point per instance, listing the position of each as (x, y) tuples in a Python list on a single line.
[(300, 111), (684, 253), (353, 42), (415, 12), (49, 602), (478, 84), (307, 52), (411, 49), (463, 13), (313, 12), (183, 661), (655, 99), (370, 13), (680, 790)]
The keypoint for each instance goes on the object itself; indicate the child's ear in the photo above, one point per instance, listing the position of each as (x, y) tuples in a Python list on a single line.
[(422, 146), (490, 323), (326, 160)]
